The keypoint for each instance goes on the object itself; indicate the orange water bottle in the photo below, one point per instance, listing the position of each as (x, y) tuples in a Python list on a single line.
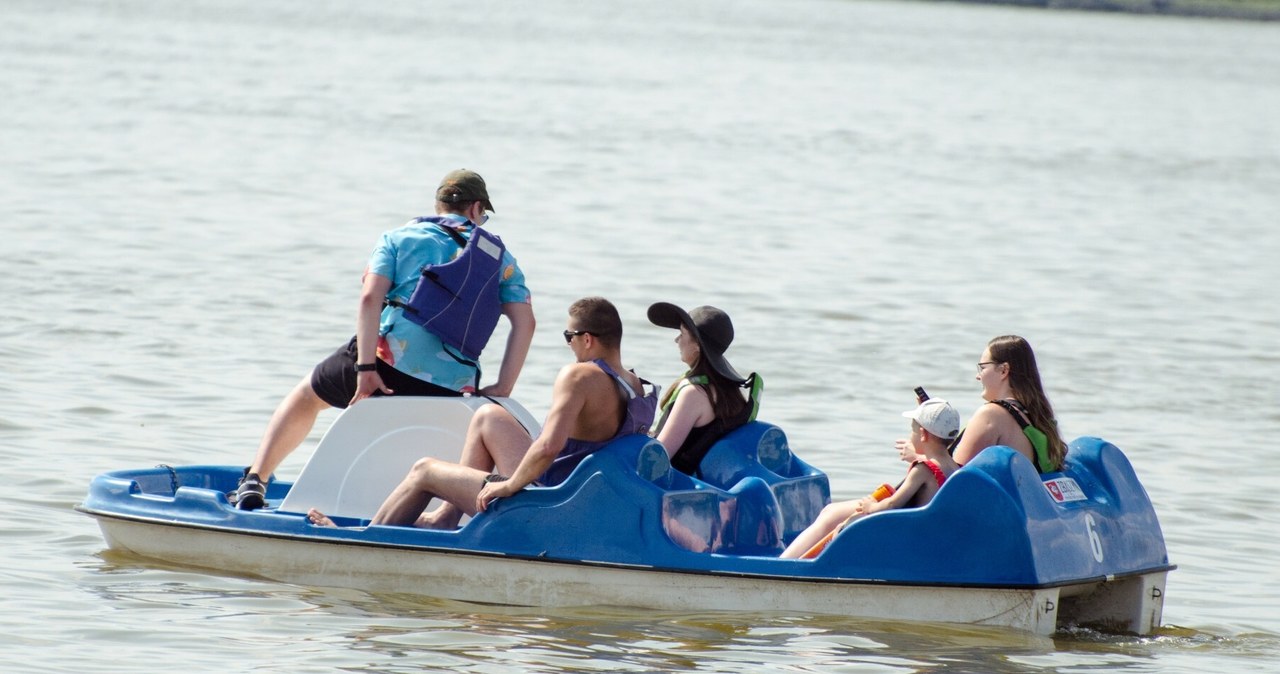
[(882, 492)]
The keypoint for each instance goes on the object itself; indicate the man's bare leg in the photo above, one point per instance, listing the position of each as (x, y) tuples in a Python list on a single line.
[(496, 441), (455, 484)]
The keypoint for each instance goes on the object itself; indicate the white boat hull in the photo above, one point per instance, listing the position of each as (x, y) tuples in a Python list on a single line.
[(496, 579)]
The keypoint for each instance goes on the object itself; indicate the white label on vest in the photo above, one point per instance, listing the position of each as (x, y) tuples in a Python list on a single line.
[(1065, 490), (488, 247)]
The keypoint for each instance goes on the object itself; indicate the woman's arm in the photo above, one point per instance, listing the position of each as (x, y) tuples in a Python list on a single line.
[(691, 409), (982, 431)]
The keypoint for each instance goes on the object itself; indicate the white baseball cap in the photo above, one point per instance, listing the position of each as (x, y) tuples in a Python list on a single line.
[(938, 417)]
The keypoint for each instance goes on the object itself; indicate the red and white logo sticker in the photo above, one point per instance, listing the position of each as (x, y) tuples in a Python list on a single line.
[(1065, 490)]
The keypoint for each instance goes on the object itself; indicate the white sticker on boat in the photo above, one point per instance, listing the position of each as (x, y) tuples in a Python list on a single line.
[(1065, 490)]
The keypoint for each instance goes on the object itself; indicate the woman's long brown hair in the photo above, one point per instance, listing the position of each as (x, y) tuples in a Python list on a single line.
[(1024, 379)]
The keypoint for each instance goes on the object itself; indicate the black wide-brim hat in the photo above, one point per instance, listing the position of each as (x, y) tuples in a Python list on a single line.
[(711, 328)]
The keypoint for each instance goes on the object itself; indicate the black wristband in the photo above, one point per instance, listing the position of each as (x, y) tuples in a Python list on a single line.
[(366, 367)]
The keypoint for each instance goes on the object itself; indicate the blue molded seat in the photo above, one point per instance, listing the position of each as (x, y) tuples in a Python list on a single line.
[(760, 450), (743, 520), (626, 498)]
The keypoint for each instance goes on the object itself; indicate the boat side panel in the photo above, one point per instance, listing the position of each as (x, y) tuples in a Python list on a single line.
[(996, 522), (619, 506), (972, 532), (494, 579), (761, 450)]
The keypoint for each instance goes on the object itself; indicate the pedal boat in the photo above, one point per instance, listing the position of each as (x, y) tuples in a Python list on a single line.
[(999, 545)]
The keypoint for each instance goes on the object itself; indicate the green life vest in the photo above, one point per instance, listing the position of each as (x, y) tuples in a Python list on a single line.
[(690, 454), (754, 382), (1039, 441)]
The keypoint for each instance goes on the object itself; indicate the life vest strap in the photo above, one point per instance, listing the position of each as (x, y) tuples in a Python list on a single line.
[(1039, 441)]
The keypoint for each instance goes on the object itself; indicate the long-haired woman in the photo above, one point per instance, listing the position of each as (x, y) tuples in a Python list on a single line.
[(1017, 413)]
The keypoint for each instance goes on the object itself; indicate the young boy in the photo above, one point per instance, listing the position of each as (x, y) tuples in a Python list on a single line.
[(934, 423)]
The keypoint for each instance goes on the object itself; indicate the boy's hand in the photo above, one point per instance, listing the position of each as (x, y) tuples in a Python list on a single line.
[(906, 451)]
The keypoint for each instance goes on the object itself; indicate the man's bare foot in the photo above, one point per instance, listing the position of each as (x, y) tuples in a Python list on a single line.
[(319, 519), (444, 517)]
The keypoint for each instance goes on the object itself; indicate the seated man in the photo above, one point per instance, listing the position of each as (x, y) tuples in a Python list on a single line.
[(594, 400)]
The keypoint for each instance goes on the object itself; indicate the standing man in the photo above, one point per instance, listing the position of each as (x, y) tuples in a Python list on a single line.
[(594, 400), (390, 354)]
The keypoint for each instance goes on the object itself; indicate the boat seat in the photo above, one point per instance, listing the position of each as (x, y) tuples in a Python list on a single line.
[(744, 520), (1091, 519), (760, 449), (372, 445), (628, 489)]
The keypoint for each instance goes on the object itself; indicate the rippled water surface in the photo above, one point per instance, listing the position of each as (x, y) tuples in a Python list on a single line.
[(871, 189)]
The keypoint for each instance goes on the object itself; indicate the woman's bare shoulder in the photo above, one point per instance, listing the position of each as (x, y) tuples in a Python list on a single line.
[(979, 418), (690, 390), (693, 399), (991, 414)]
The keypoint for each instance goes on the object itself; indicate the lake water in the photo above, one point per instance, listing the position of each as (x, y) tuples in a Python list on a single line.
[(872, 190)]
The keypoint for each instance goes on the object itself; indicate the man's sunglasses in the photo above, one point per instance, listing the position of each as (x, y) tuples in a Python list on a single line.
[(570, 334)]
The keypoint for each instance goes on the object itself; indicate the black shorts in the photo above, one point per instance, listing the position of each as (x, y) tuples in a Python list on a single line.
[(334, 379)]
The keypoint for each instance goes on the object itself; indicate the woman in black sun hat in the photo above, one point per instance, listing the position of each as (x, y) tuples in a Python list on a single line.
[(708, 400)]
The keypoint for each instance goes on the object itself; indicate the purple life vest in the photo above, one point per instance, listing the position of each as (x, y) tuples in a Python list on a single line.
[(458, 301)]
